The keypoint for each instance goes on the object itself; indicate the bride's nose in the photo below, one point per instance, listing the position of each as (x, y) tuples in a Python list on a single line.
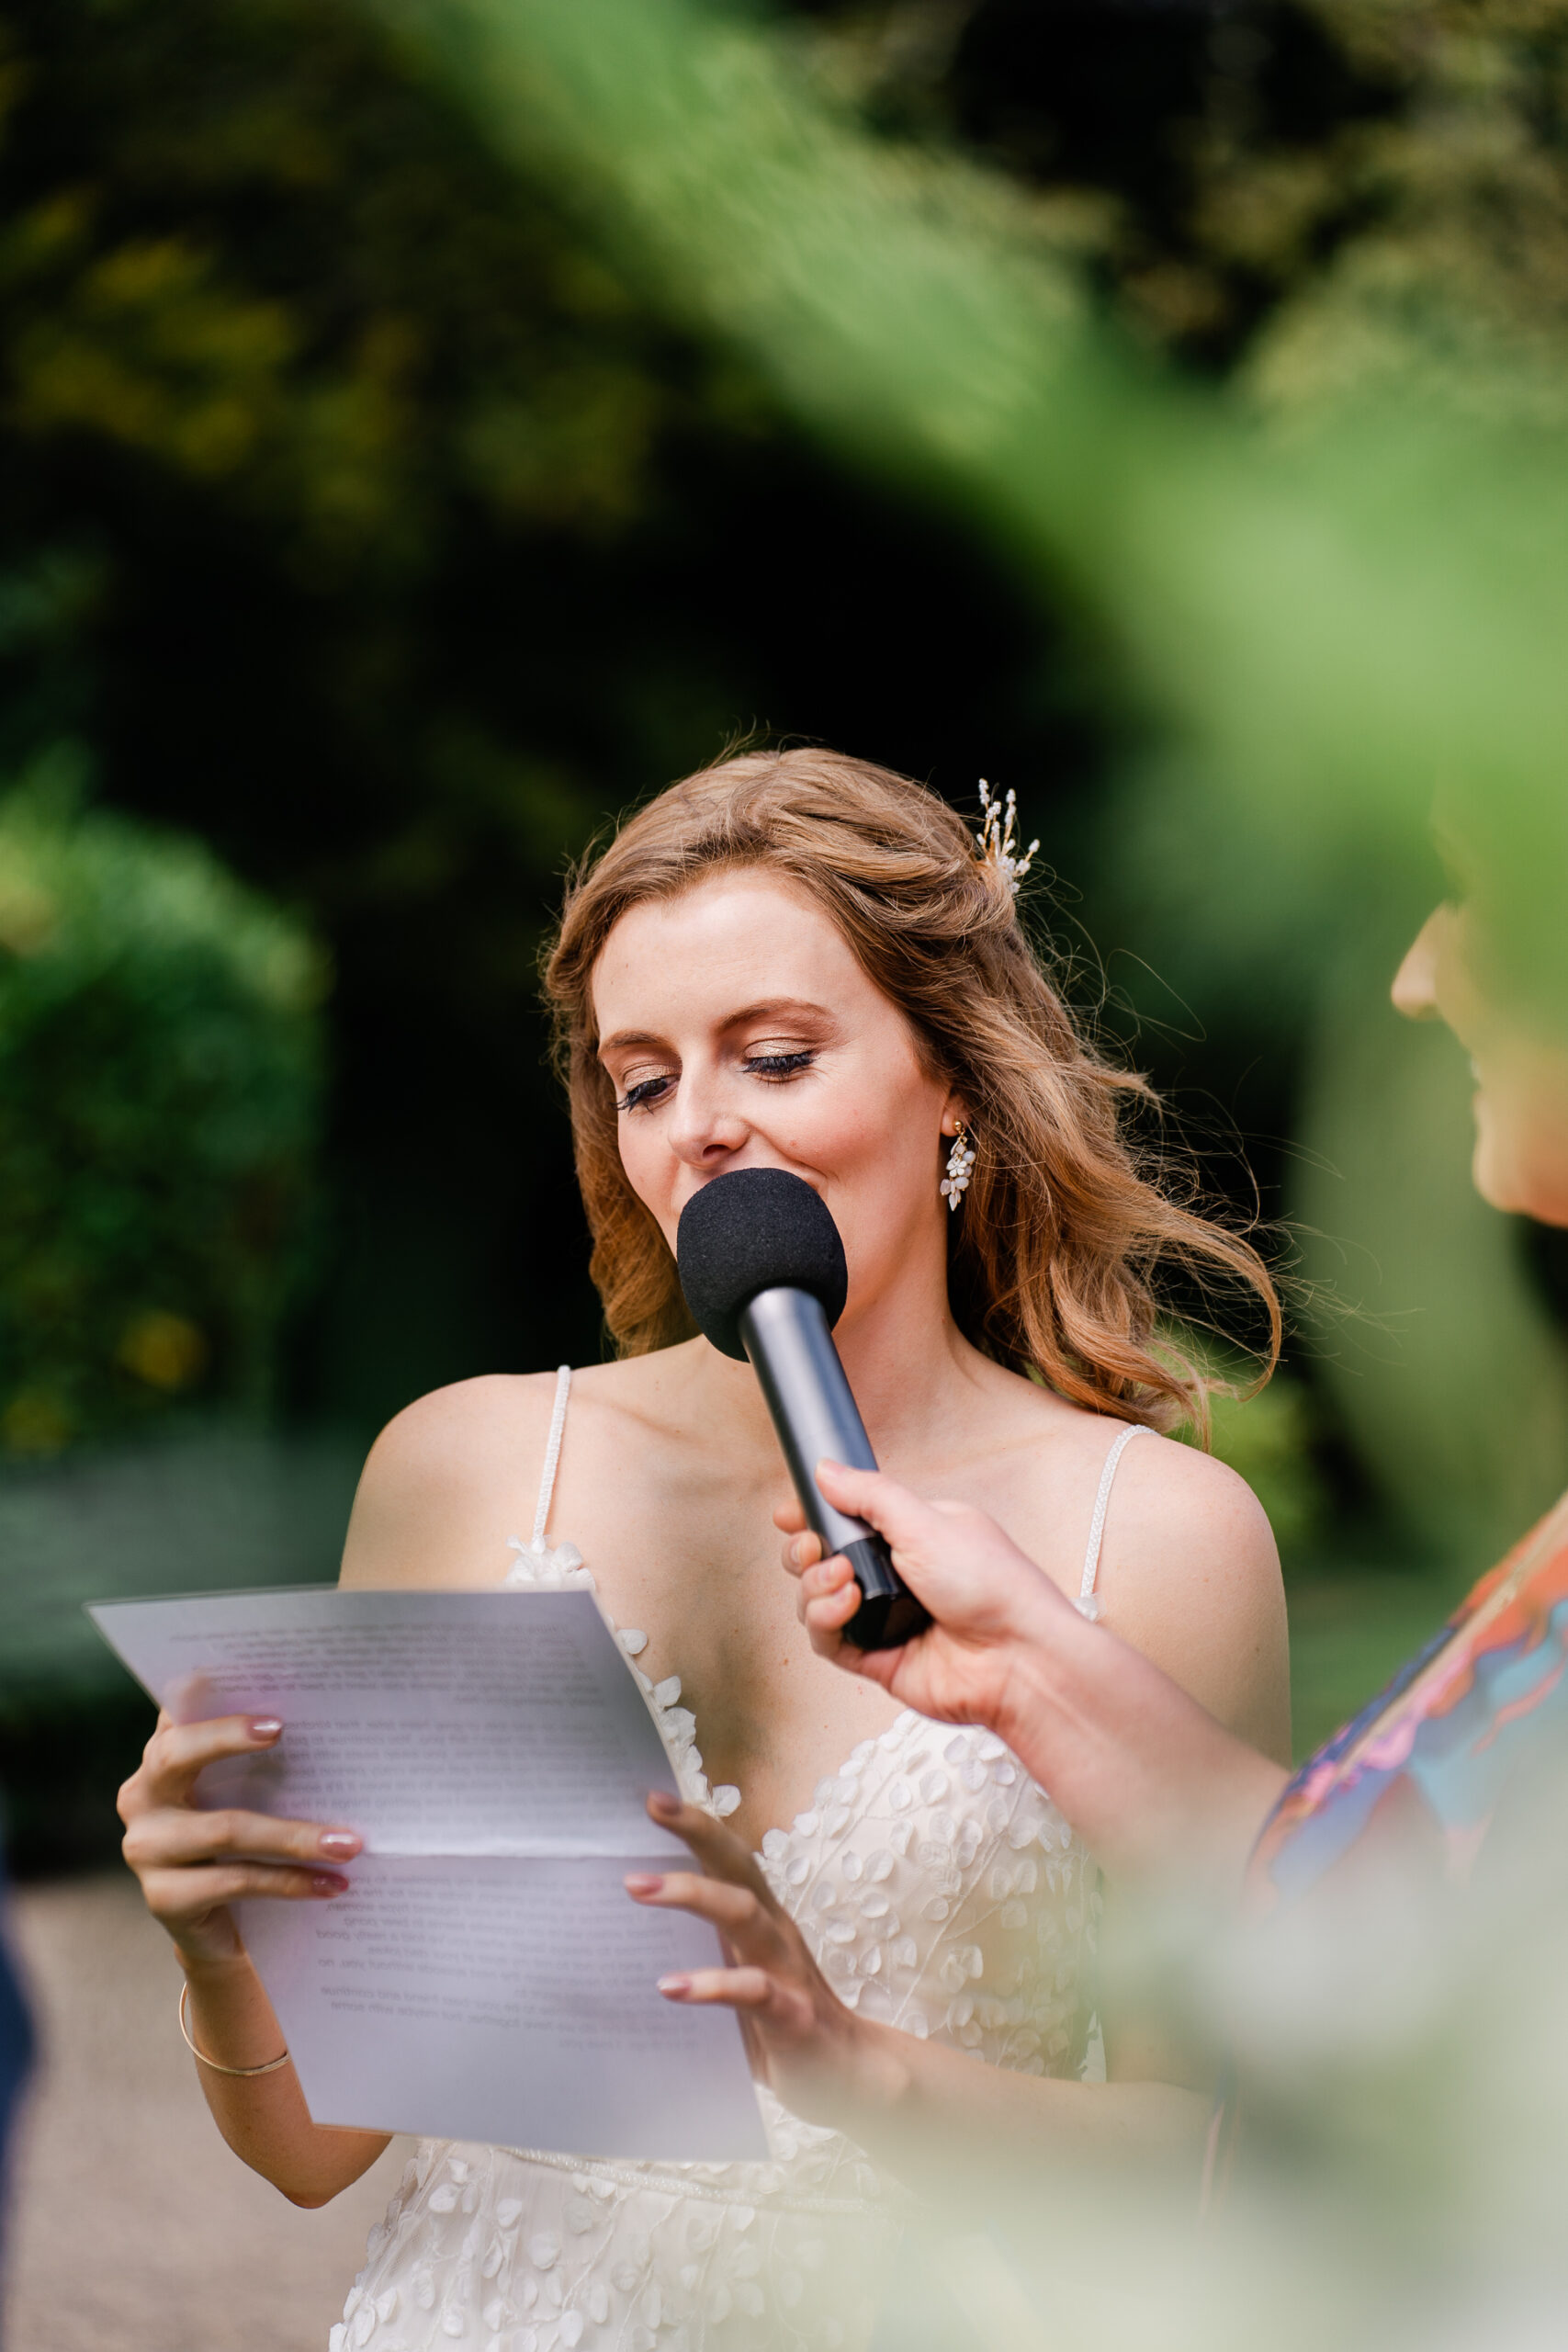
[(706, 1126)]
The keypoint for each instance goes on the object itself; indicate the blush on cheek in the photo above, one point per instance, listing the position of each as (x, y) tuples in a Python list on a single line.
[(650, 1173)]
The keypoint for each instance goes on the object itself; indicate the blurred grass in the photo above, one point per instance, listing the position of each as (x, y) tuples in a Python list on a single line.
[(1360, 1599), (1350, 1630)]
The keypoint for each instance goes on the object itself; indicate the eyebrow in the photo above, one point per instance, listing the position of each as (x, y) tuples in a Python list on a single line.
[(769, 1005)]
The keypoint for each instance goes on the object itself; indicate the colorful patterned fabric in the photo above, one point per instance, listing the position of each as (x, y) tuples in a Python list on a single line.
[(1444, 1735)]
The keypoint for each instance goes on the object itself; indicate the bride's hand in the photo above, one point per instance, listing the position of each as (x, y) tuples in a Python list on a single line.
[(990, 1604), (824, 2062), (193, 1864)]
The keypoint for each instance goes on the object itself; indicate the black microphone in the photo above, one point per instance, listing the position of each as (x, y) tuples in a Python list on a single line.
[(764, 1274)]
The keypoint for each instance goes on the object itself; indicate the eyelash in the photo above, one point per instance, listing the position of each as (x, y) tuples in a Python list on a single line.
[(770, 1066), (647, 1090)]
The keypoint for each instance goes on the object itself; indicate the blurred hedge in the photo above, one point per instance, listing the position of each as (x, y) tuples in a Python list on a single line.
[(161, 1070)]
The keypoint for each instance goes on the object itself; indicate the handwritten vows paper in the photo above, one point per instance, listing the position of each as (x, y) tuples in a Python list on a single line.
[(487, 1977)]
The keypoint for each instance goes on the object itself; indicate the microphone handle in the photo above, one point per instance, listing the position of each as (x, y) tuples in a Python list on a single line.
[(814, 1412)]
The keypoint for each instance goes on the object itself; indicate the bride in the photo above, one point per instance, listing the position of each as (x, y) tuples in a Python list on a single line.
[(794, 960)]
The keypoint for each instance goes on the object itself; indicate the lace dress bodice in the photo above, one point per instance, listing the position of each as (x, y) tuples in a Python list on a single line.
[(940, 1891)]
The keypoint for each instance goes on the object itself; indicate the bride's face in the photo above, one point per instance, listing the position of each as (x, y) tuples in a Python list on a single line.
[(738, 1031)]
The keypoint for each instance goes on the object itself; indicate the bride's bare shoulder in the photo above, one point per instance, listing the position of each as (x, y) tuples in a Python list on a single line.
[(1190, 1576), (457, 1473), (1187, 1568), (443, 1477)]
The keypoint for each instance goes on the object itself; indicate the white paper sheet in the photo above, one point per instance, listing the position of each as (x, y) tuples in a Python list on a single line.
[(487, 1977)]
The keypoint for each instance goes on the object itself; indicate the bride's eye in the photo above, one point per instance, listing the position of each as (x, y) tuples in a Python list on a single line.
[(777, 1065), (646, 1090)]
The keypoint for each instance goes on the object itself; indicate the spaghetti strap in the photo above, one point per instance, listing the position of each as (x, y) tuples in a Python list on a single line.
[(1088, 1599), (552, 1455)]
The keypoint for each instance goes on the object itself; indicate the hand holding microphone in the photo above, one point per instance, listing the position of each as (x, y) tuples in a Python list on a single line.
[(764, 1273), (990, 1610)]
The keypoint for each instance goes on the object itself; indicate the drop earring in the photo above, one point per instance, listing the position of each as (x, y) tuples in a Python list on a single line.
[(960, 1160)]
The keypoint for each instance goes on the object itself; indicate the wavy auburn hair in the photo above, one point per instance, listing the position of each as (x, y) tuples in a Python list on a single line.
[(1055, 1254)]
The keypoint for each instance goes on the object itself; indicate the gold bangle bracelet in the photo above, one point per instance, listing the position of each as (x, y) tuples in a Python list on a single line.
[(240, 2072)]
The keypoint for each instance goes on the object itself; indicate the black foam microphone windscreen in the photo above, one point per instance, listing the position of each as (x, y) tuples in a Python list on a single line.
[(765, 1276), (756, 1229)]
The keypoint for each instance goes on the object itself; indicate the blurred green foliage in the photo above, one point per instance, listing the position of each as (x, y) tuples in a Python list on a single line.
[(1443, 216), (161, 1073), (247, 248), (1310, 196), (1267, 1439)]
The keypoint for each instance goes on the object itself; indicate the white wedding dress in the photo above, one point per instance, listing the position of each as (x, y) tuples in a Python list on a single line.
[(940, 1891)]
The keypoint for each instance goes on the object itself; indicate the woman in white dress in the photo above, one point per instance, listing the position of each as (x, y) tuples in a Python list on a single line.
[(793, 960)]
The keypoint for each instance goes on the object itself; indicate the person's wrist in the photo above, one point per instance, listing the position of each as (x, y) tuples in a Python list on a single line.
[(1035, 1662), (875, 2082), (216, 1963), (1247, 1786), (852, 2079)]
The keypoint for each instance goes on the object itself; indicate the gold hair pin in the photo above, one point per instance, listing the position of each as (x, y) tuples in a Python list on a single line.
[(994, 838)]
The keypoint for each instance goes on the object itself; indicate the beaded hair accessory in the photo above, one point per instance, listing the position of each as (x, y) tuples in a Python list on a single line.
[(995, 838)]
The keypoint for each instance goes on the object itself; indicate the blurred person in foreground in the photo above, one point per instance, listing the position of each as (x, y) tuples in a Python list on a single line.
[(793, 960), (1386, 1930), (15, 2065)]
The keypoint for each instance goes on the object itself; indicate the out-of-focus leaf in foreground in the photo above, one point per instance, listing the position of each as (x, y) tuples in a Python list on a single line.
[(1344, 622)]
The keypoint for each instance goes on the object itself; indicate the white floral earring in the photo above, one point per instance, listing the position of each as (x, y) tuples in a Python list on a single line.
[(960, 1160)]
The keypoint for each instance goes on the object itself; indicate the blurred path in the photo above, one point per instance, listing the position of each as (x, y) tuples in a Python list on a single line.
[(132, 2226)]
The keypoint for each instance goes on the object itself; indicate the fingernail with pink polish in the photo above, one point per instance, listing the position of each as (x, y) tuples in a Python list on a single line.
[(674, 1984), (343, 1842), (328, 1882), (642, 1883), (264, 1726), (662, 1802)]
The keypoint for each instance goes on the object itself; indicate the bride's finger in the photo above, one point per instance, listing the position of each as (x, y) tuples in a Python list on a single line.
[(177, 1753), (177, 1834), (789, 1518), (762, 1996), (718, 1849), (746, 1925), (185, 1894)]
